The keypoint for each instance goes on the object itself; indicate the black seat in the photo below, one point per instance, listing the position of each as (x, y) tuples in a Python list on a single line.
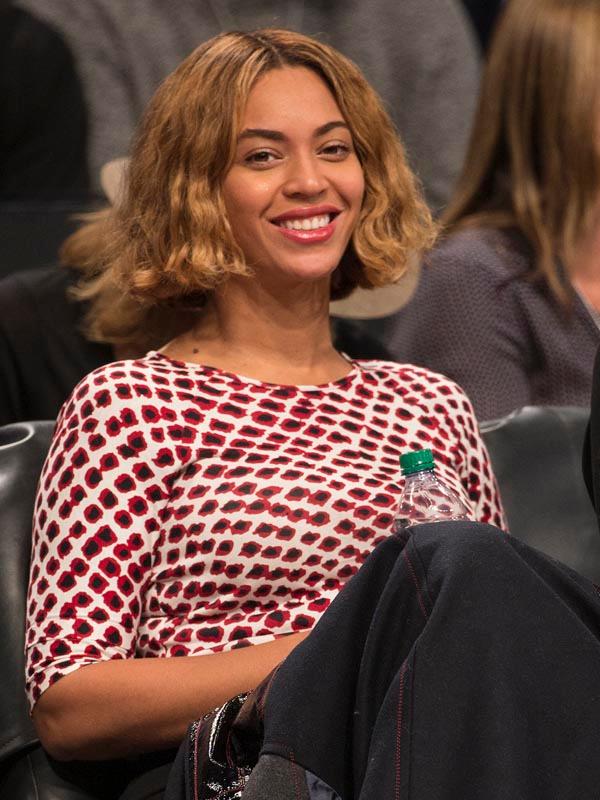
[(23, 448), (536, 453)]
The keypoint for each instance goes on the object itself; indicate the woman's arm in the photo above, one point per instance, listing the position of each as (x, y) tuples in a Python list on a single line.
[(122, 707), (102, 506)]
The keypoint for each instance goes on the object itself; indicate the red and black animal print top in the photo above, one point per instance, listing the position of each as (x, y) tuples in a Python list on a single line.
[(185, 510)]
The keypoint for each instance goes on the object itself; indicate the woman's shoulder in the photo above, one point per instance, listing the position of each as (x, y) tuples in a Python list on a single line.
[(141, 408), (411, 381), (497, 252), (129, 383), (144, 369)]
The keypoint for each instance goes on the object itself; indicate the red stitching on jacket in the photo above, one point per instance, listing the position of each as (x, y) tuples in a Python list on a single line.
[(262, 700), (399, 730), (294, 774), (413, 575)]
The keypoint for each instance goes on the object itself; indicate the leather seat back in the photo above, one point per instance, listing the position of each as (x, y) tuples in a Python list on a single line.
[(23, 448), (536, 455)]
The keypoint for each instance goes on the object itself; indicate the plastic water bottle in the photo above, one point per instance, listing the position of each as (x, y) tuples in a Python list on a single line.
[(425, 497)]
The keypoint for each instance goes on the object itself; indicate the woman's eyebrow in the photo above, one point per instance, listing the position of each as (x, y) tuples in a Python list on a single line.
[(261, 133), (278, 136), (329, 126)]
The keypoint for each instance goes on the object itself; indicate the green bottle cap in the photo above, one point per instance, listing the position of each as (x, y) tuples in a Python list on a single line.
[(416, 461)]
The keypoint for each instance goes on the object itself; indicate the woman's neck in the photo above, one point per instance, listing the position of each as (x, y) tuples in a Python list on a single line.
[(584, 266), (267, 335)]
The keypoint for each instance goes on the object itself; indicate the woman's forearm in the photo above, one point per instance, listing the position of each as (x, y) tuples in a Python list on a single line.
[(118, 708)]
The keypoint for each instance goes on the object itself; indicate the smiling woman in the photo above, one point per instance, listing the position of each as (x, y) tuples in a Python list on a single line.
[(294, 193), (202, 506), (171, 240)]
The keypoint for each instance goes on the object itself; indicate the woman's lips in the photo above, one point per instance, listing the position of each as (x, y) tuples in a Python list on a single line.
[(313, 236), (306, 229)]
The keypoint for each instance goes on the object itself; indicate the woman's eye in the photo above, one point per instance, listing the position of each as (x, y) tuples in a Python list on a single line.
[(336, 151), (260, 157)]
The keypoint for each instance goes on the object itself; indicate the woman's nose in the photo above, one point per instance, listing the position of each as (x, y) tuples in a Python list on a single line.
[(305, 178)]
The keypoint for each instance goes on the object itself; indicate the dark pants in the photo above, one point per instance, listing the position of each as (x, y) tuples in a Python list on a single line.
[(458, 664)]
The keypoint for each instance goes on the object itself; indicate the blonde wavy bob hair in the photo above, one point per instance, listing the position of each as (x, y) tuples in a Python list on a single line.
[(534, 158), (168, 243)]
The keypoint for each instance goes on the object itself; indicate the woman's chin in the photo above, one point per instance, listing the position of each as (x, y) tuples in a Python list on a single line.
[(309, 271)]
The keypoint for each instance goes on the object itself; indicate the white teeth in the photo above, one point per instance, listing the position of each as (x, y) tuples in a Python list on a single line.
[(308, 224)]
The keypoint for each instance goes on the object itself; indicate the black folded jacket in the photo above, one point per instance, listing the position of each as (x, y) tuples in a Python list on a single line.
[(458, 664)]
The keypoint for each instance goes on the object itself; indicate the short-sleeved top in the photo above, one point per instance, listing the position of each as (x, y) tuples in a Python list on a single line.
[(184, 510)]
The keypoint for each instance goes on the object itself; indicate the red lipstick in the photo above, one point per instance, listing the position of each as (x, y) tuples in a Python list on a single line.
[(315, 236), (312, 235), (306, 211)]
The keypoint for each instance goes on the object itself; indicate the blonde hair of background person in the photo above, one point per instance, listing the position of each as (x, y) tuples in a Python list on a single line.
[(169, 247), (168, 243), (533, 160)]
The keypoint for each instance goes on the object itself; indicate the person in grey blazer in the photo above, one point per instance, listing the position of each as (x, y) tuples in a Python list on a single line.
[(508, 304)]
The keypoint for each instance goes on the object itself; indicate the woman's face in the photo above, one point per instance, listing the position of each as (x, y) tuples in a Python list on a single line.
[(294, 192)]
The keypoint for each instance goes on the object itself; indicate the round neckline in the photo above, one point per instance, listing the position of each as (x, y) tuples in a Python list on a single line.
[(192, 365)]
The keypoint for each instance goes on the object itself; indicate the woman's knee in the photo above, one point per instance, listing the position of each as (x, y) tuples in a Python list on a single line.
[(450, 547)]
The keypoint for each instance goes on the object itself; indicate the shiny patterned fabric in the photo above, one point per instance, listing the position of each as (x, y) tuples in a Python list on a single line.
[(186, 510), (212, 772)]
